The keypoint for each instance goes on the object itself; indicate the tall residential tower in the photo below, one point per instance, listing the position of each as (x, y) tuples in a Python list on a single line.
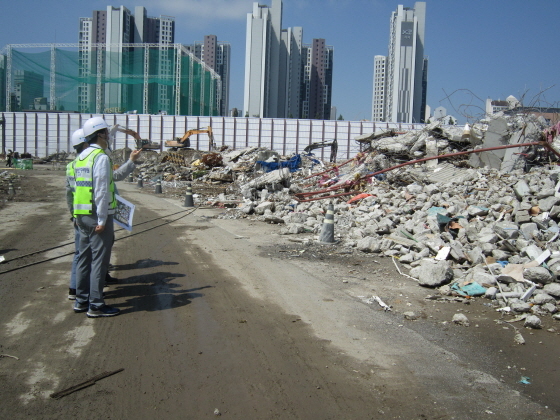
[(262, 56), (28, 86), (283, 77), (114, 27), (217, 56), (400, 79), (317, 80)]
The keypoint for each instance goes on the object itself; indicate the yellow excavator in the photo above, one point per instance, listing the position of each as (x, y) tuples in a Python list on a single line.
[(184, 141)]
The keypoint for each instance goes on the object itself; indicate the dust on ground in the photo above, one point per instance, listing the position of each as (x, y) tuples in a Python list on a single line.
[(362, 276), (27, 185)]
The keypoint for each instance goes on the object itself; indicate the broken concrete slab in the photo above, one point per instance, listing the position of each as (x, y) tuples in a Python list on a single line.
[(431, 273)]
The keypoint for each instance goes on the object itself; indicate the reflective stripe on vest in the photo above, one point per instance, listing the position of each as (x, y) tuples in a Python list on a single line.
[(83, 196)]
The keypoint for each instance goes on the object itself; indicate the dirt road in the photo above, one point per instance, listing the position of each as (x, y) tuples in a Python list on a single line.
[(226, 318)]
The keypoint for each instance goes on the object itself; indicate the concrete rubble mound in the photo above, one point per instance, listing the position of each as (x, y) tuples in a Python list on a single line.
[(465, 224)]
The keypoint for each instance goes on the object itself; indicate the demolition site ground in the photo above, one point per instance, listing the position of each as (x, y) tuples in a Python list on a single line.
[(251, 325)]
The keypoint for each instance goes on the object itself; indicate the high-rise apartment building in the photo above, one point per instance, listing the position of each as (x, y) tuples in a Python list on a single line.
[(161, 31), (116, 28), (283, 78), (292, 78), (379, 78), (123, 62), (2, 83), (401, 96), (28, 86), (317, 80), (262, 56), (217, 56)]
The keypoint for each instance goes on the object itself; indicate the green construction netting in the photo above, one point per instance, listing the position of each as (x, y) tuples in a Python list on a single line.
[(112, 80)]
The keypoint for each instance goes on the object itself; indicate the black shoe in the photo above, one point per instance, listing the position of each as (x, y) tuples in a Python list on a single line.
[(80, 307), (110, 280), (71, 294), (102, 311)]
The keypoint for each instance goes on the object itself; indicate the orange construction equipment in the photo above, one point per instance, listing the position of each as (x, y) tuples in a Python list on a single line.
[(184, 141)]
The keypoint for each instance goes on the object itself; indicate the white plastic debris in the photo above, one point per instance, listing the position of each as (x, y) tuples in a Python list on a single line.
[(443, 253), (380, 302), (528, 293)]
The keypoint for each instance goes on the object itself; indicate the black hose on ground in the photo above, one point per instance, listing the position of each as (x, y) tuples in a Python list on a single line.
[(188, 212)]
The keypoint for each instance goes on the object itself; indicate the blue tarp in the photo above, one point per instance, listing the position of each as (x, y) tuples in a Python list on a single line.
[(293, 164), (470, 289)]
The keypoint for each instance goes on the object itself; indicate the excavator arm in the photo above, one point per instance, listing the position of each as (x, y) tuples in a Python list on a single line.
[(333, 145), (140, 142), (184, 141)]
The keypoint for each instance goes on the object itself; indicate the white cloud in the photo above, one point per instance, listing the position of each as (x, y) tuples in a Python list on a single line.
[(209, 10)]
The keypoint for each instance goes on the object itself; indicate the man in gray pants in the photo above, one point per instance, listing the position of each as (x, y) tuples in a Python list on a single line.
[(94, 206), (80, 144)]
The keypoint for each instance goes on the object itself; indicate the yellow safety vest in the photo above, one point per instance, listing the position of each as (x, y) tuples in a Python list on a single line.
[(83, 195), (70, 175)]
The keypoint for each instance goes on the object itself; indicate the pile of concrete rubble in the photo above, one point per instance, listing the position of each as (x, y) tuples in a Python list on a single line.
[(469, 224)]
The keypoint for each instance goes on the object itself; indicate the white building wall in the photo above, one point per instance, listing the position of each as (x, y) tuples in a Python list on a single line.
[(404, 71), (276, 69), (140, 15), (264, 66), (290, 76), (167, 35), (255, 60), (118, 32), (85, 39), (379, 85), (420, 22), (293, 93)]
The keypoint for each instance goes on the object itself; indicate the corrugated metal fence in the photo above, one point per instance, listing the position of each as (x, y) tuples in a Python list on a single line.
[(43, 134)]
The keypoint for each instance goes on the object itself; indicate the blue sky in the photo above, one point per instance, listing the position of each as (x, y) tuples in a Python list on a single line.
[(477, 49)]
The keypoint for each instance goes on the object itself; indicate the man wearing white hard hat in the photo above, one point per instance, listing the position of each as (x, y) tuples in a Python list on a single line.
[(94, 204), (79, 144)]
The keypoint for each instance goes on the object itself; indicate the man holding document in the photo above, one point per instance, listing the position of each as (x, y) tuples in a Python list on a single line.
[(95, 203)]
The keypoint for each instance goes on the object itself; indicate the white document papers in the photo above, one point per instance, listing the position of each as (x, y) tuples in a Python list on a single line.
[(124, 213)]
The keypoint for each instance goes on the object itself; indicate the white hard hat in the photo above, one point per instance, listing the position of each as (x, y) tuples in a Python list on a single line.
[(94, 124), (78, 137)]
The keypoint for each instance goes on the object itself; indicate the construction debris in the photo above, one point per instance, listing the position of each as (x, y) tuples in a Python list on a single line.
[(380, 302), (471, 212), (468, 224)]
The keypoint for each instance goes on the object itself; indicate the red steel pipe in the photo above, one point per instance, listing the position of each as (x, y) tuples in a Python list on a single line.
[(508, 146), (335, 167)]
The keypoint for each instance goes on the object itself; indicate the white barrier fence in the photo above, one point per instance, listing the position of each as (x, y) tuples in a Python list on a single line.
[(44, 133)]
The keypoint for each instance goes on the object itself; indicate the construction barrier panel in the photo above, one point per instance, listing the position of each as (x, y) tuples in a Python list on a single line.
[(46, 133)]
